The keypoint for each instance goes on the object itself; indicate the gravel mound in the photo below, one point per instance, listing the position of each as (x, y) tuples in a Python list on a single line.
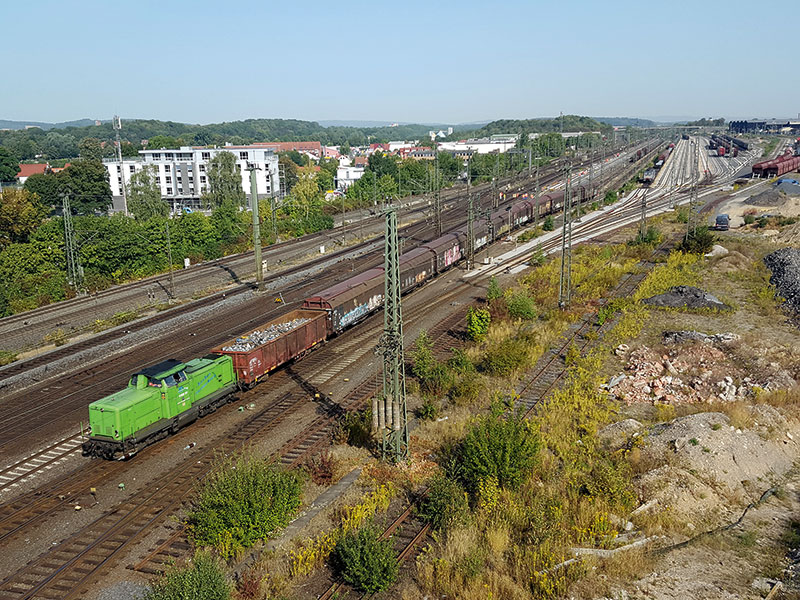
[(707, 466), (686, 296), (678, 337), (790, 189), (784, 264), (771, 197)]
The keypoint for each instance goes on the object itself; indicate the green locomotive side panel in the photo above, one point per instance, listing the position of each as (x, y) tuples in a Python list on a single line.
[(160, 393), (117, 416)]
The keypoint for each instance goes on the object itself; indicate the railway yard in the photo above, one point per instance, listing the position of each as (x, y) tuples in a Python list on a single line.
[(78, 527)]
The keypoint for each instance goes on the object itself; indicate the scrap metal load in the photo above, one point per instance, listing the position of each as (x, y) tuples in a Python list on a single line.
[(777, 167), (275, 343), (257, 338)]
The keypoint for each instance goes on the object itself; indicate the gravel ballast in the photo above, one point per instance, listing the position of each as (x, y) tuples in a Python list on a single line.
[(784, 264), (686, 296)]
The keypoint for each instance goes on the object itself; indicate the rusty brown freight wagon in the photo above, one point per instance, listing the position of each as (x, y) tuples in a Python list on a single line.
[(275, 343)]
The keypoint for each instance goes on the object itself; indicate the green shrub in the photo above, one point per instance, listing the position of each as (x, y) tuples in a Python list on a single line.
[(243, 500), (611, 481), (549, 223), (651, 237), (354, 428), (57, 338), (507, 356), (749, 219), (445, 505), (434, 377), (610, 197), (497, 448), (460, 362), (478, 320), (365, 562), (698, 241), (538, 257), (494, 291), (520, 305), (202, 579), (467, 388), (7, 357), (682, 214), (428, 410)]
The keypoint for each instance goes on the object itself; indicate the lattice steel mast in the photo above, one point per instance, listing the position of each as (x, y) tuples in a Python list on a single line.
[(74, 270), (392, 411), (565, 280)]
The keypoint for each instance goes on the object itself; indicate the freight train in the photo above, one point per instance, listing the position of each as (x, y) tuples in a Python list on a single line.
[(777, 166), (725, 144), (160, 400)]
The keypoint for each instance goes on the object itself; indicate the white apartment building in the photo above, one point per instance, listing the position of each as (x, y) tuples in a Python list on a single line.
[(181, 173), (347, 176)]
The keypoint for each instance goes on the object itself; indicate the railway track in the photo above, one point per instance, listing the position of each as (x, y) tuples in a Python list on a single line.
[(407, 532), (296, 452), (67, 397), (73, 563)]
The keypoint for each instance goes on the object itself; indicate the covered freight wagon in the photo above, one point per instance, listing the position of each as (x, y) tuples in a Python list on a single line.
[(416, 266), (351, 300), (448, 248), (275, 343)]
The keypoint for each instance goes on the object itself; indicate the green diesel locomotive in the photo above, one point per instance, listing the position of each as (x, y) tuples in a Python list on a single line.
[(158, 401)]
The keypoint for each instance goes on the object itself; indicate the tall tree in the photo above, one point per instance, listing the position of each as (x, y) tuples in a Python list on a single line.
[(164, 141), (9, 165), (58, 145), (224, 181), (306, 197), (90, 149), (20, 215), (289, 172), (87, 182), (144, 195), (46, 186)]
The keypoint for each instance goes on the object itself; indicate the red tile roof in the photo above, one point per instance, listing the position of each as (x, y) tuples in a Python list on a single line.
[(26, 170)]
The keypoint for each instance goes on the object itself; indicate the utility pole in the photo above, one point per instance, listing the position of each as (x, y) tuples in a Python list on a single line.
[(470, 224), (643, 216), (437, 196), (391, 409), (74, 270), (117, 124), (565, 280), (256, 226), (536, 201), (169, 255), (495, 199)]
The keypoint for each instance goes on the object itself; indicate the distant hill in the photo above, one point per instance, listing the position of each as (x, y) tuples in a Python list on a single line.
[(626, 121), (28, 143), (539, 125), (5, 124)]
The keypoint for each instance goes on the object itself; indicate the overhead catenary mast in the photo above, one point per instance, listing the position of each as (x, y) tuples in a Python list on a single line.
[(117, 124), (391, 409), (565, 280)]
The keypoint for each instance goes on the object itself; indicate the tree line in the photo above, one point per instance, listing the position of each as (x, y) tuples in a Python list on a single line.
[(29, 144), (119, 248)]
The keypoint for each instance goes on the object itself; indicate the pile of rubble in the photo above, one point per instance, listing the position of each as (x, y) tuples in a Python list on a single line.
[(258, 337), (689, 373), (686, 296), (785, 267)]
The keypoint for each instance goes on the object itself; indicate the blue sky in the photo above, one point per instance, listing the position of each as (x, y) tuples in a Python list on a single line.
[(432, 61)]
